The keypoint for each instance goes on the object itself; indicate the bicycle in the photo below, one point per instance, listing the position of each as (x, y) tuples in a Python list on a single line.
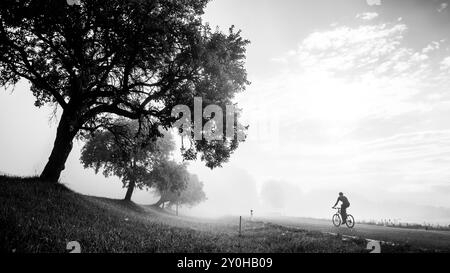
[(337, 219)]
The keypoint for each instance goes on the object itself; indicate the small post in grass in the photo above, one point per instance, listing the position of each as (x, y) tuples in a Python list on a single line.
[(240, 224)]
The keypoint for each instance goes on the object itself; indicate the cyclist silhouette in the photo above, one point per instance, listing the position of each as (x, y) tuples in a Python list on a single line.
[(345, 204)]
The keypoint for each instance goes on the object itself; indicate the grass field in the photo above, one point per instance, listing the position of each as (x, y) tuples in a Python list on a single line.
[(411, 240), (40, 217)]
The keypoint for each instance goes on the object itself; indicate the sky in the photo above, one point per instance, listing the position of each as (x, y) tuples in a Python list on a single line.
[(347, 96)]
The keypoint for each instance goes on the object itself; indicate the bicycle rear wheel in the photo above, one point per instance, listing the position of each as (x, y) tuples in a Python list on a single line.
[(336, 220), (350, 221)]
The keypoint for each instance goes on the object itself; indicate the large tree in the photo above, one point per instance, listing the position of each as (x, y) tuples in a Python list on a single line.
[(124, 149), (131, 58)]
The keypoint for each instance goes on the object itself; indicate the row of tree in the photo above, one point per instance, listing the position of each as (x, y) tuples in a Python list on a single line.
[(125, 150)]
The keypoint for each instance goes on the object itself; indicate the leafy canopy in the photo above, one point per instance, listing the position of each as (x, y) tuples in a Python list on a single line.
[(125, 151), (176, 186)]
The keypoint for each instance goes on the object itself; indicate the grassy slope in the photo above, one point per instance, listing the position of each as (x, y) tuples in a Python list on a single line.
[(38, 217)]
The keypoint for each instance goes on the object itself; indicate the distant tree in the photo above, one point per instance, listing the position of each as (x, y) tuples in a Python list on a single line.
[(168, 179), (129, 58), (192, 195), (123, 149), (187, 192)]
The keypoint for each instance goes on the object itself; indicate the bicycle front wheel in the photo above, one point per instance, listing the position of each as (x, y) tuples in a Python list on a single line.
[(350, 221), (336, 220)]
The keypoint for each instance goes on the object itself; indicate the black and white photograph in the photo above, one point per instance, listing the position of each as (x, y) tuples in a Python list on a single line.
[(252, 128)]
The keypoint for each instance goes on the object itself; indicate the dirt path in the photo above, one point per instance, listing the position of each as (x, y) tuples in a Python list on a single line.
[(429, 239)]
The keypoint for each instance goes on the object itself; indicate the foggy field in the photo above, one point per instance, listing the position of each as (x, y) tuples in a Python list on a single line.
[(39, 217)]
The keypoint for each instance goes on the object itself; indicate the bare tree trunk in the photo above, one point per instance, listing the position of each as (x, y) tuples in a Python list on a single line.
[(130, 190), (132, 183), (67, 129), (161, 201)]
